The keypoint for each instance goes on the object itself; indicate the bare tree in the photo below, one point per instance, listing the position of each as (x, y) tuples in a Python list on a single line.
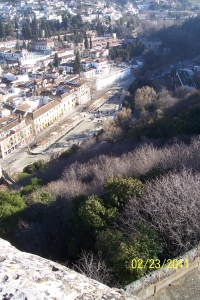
[(182, 92), (94, 267), (164, 99), (87, 177), (144, 97), (123, 117), (111, 131), (171, 206)]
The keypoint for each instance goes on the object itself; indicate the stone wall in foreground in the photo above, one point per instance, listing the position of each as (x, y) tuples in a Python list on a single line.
[(26, 276), (155, 281)]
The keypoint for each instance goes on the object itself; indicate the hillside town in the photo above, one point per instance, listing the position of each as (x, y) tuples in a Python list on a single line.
[(56, 56), (100, 149)]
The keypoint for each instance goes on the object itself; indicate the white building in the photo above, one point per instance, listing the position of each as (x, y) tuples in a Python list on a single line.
[(68, 67)]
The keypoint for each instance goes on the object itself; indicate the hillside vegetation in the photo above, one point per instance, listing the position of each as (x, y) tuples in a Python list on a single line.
[(127, 200), (131, 192)]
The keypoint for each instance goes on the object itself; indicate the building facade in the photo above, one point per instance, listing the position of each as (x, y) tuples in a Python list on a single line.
[(13, 135)]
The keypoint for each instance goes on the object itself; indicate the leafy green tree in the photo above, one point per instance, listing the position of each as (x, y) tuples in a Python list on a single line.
[(77, 63), (117, 190), (94, 214), (50, 65), (8, 29), (2, 31), (80, 235), (39, 196), (65, 22), (122, 253), (107, 243), (30, 169), (142, 246), (77, 20), (86, 42), (11, 204)]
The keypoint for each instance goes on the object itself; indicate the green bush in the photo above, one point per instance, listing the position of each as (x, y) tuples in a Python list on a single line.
[(36, 166), (119, 251), (40, 196), (11, 204), (94, 213), (69, 152), (39, 165), (23, 175), (30, 169), (34, 185), (117, 190)]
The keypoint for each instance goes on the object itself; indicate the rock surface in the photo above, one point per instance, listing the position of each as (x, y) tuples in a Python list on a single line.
[(26, 276)]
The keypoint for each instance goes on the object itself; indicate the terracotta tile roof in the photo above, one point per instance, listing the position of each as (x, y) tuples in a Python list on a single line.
[(42, 110), (10, 125)]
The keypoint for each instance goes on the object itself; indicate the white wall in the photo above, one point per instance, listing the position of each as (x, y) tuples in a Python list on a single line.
[(108, 79)]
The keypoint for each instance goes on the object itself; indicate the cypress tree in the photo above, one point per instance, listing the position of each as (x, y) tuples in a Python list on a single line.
[(16, 24), (26, 31), (17, 45), (77, 63), (17, 34), (2, 31), (48, 30), (90, 43), (86, 42), (34, 27), (58, 37), (45, 33), (56, 61), (24, 45), (28, 46)]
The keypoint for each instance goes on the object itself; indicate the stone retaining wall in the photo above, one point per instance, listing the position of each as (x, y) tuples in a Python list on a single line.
[(109, 78)]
